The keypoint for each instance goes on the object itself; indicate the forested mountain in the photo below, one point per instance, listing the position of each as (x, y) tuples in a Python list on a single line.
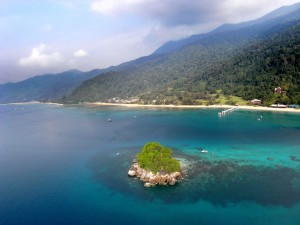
[(247, 60), (272, 19), (261, 66), (44, 87)]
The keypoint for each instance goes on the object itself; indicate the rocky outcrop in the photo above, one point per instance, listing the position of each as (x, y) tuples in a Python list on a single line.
[(150, 179)]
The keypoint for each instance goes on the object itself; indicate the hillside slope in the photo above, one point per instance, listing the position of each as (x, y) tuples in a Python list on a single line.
[(247, 62), (44, 87), (260, 67), (285, 13)]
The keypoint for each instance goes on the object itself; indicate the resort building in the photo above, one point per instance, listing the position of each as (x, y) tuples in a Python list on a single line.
[(255, 102), (278, 90)]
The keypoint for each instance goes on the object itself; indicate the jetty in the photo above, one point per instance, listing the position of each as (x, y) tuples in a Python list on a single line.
[(224, 112)]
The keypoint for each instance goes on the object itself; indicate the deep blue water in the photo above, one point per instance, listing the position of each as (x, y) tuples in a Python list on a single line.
[(59, 165)]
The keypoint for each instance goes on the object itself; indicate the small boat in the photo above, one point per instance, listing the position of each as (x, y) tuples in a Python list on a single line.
[(118, 154), (109, 120), (204, 151)]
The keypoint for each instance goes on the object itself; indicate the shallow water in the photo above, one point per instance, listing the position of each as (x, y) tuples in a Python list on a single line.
[(59, 165)]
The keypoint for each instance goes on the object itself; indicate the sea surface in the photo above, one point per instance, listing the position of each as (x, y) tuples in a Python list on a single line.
[(68, 165)]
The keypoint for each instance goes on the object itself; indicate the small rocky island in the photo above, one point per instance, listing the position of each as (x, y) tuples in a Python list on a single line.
[(155, 166)]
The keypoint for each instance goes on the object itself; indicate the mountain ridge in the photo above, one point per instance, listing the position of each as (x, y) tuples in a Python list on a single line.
[(196, 71), (277, 14), (44, 87), (172, 66)]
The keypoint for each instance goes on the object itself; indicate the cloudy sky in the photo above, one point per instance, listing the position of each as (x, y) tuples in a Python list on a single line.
[(50, 36)]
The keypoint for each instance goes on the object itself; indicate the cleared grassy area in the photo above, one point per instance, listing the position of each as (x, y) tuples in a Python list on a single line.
[(230, 100), (220, 99)]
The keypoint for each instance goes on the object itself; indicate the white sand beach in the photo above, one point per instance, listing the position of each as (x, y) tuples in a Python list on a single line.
[(33, 103), (244, 107), (258, 108)]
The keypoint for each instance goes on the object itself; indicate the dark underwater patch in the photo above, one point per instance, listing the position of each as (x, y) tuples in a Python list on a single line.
[(221, 183), (294, 158)]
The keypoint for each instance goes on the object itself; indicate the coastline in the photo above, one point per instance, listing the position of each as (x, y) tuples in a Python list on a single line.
[(256, 108), (32, 103), (243, 107)]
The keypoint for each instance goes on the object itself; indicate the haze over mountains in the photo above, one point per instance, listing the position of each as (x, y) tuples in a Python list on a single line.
[(46, 87), (246, 60)]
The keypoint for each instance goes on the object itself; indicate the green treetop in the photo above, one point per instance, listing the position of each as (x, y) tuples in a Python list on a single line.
[(155, 157)]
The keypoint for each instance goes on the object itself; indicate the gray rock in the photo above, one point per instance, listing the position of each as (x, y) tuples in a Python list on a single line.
[(150, 179)]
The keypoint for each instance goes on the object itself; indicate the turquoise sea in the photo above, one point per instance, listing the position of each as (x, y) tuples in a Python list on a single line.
[(60, 165)]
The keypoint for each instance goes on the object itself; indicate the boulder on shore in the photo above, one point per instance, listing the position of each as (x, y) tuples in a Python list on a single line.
[(132, 173), (150, 179)]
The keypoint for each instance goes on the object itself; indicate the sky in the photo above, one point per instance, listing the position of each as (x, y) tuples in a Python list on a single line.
[(50, 36)]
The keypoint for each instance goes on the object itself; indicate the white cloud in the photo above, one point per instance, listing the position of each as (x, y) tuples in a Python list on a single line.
[(172, 13), (80, 53), (126, 46), (103, 7), (109, 7), (41, 56)]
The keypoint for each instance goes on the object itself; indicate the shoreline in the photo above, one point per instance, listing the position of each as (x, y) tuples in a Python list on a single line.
[(243, 107), (33, 103), (256, 108)]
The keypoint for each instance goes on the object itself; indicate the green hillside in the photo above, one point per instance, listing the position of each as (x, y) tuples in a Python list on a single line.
[(229, 65), (47, 87), (209, 71), (260, 67)]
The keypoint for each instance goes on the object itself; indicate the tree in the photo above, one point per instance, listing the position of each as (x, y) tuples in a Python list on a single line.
[(155, 157)]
